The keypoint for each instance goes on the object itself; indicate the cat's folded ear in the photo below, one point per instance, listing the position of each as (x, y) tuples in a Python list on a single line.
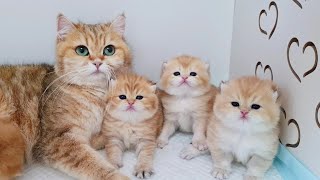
[(223, 85), (153, 88), (164, 65), (275, 94), (64, 26), (119, 24)]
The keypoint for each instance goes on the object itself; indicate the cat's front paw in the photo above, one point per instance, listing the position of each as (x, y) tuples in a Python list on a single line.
[(161, 143), (116, 163), (200, 144), (118, 176), (250, 177), (189, 152), (143, 172), (220, 174)]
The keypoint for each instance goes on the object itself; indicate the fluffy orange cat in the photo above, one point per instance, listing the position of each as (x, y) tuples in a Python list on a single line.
[(133, 120), (72, 109), (245, 127), (20, 91), (187, 99)]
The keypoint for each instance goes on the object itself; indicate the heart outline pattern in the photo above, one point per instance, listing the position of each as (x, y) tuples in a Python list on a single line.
[(267, 67), (263, 11), (296, 144), (297, 3), (317, 115), (308, 44)]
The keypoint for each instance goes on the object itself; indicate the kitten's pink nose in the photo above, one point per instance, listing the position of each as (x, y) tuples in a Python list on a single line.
[(184, 78), (244, 113), (130, 103), (97, 64)]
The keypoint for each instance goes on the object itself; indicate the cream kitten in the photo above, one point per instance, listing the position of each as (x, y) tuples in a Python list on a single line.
[(187, 99), (134, 119), (245, 127)]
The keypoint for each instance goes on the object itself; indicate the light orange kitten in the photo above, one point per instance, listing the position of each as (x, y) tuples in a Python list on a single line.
[(72, 109), (245, 127), (133, 120), (187, 99)]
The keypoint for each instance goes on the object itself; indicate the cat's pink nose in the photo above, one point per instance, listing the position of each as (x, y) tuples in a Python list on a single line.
[(97, 64), (184, 78), (244, 113), (130, 103)]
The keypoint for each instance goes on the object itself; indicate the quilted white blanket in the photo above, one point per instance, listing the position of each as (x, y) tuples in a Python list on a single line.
[(167, 165)]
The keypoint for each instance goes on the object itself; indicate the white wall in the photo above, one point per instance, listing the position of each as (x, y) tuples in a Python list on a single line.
[(156, 30), (300, 99)]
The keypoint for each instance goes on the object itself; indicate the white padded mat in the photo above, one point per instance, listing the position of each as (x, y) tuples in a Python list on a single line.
[(167, 165)]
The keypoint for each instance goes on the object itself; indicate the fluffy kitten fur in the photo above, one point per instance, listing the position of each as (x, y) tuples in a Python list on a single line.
[(244, 132), (131, 122), (187, 99), (20, 90), (73, 106)]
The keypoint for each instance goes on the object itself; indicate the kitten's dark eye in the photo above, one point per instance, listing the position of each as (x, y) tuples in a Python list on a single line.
[(122, 97), (193, 74), (82, 50), (176, 73), (235, 104), (139, 97), (255, 106), (109, 50)]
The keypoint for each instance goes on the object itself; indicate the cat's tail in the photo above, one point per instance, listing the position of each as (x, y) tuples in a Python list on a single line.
[(190, 152)]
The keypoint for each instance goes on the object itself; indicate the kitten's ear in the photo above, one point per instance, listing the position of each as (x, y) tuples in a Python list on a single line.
[(207, 66), (275, 95), (64, 26), (119, 24), (153, 88), (164, 65), (223, 85), (112, 83)]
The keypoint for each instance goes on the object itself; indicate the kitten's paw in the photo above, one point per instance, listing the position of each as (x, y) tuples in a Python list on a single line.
[(189, 153), (143, 172), (200, 144), (220, 174), (249, 177), (162, 143), (116, 164), (118, 176)]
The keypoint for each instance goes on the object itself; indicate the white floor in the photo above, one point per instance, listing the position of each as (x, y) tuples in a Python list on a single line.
[(168, 166)]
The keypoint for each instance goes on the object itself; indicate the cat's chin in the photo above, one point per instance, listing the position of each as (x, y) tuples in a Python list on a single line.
[(186, 91), (249, 125)]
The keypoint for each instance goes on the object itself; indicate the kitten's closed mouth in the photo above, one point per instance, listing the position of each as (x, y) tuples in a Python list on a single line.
[(130, 108)]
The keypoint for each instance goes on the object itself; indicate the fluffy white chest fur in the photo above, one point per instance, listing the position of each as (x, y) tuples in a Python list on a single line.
[(243, 144), (183, 109)]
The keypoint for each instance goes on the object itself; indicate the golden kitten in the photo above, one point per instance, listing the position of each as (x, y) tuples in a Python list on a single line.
[(187, 99), (133, 119), (245, 127), (21, 87), (88, 56)]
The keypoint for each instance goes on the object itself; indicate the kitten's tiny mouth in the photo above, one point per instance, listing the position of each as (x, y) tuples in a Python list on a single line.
[(130, 108), (184, 83)]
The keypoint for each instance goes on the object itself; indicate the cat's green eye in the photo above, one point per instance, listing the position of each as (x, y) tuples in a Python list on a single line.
[(109, 50), (82, 50)]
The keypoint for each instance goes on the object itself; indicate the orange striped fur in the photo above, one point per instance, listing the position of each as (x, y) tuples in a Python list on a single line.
[(73, 107), (125, 128), (20, 91)]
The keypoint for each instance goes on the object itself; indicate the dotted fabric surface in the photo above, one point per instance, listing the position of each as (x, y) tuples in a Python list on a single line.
[(167, 165)]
